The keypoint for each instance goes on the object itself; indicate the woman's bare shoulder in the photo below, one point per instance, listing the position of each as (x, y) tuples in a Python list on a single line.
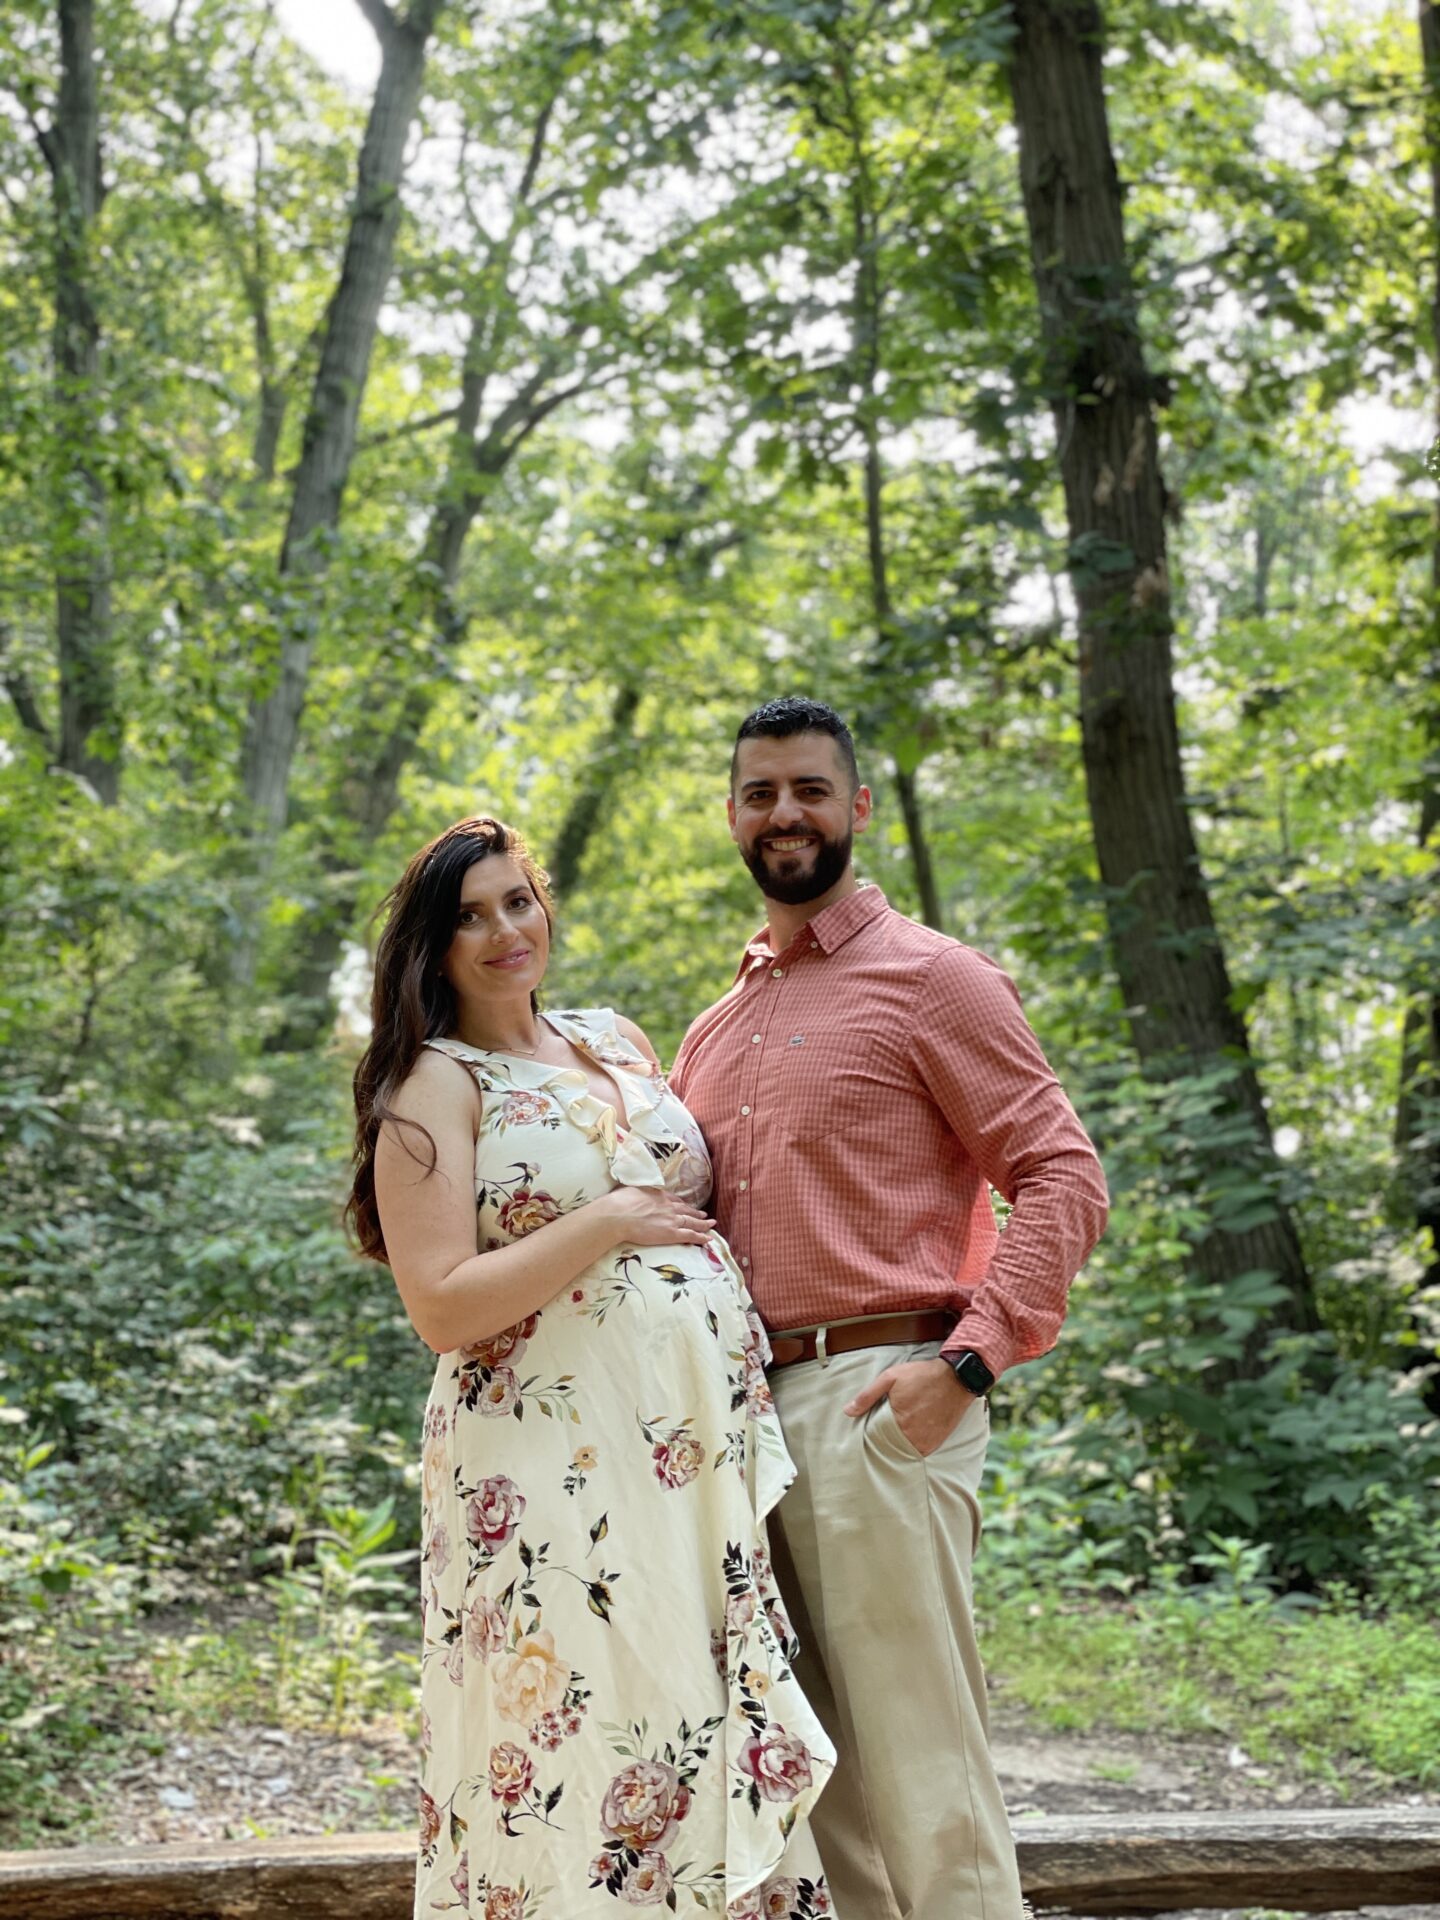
[(439, 1086)]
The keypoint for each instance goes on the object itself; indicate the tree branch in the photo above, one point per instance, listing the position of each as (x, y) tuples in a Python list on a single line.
[(381, 18), (406, 428), (27, 707), (44, 136)]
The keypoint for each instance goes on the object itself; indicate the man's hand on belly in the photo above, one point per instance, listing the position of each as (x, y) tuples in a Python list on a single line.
[(928, 1402)]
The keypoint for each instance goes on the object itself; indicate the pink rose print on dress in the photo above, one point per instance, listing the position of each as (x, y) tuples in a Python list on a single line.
[(758, 1398), (460, 1879), (644, 1805), (500, 1394), (504, 1903), (484, 1629), (648, 1882), (509, 1344), (523, 1108), (493, 1512), (511, 1773), (739, 1610), (678, 1458), (429, 1821), (438, 1552), (777, 1762), (525, 1210), (781, 1628), (779, 1898)]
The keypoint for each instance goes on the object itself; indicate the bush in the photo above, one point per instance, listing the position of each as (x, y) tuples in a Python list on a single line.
[(193, 1335)]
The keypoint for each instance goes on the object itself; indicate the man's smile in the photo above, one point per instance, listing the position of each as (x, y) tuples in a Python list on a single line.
[(791, 845)]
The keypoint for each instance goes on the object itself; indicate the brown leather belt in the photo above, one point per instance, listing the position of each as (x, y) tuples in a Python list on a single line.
[(886, 1330)]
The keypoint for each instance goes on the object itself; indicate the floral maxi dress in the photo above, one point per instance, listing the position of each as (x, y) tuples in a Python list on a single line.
[(609, 1717)]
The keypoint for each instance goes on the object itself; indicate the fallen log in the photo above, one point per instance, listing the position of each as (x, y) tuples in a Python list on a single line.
[(1322, 1861), (1100, 1864)]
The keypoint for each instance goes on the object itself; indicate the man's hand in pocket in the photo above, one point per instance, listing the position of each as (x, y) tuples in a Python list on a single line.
[(928, 1402)]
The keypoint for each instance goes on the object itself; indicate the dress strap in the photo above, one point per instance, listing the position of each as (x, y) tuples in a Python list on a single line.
[(480, 1072)]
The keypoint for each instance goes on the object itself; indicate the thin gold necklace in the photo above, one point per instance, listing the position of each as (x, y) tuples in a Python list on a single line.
[(526, 1053)]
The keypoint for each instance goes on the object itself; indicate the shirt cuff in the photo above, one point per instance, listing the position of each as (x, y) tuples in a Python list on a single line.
[(991, 1339)]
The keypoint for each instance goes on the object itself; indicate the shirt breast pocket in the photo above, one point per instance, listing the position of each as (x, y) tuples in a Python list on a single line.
[(830, 1080)]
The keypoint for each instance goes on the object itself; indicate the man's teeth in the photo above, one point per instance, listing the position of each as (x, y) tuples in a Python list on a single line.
[(787, 846)]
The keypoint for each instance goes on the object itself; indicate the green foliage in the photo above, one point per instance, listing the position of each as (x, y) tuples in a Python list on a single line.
[(707, 272), (63, 1609), (169, 1283), (1330, 1690), (328, 1652)]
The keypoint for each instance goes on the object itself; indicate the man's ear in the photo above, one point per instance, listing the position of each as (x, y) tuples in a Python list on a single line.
[(860, 809), (730, 816)]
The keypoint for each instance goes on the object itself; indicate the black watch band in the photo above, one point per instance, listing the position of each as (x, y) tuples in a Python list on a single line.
[(972, 1373)]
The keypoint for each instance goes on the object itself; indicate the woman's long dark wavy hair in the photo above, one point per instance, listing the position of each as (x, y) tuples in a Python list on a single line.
[(412, 1001)]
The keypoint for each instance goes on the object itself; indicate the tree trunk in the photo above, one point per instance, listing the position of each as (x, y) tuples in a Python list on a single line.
[(368, 796), (586, 812), (1417, 1119), (328, 442), (1166, 946), (885, 668), (89, 722)]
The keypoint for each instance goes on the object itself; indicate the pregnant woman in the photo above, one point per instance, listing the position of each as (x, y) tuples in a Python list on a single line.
[(609, 1716)]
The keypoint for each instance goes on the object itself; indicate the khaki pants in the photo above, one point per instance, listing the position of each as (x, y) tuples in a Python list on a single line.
[(873, 1548)]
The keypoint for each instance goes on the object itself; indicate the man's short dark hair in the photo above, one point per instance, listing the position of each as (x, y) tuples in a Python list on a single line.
[(778, 719)]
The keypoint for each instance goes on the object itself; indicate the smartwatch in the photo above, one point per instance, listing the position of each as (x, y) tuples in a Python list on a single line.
[(972, 1372)]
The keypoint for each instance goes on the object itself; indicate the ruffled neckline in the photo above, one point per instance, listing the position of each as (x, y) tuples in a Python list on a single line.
[(625, 1137)]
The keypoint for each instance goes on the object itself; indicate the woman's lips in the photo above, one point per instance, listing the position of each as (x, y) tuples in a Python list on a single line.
[(510, 962)]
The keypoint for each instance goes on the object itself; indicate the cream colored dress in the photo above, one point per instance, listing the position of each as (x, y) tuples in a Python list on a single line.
[(609, 1716)]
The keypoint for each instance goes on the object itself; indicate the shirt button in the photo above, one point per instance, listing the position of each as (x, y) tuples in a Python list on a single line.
[(744, 1109), (744, 1260), (779, 972), (743, 1185), (814, 946), (754, 1039)]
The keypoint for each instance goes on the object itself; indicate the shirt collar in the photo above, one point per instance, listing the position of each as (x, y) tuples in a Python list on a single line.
[(830, 928)]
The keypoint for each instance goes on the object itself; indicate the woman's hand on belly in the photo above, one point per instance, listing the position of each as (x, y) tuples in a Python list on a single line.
[(651, 1217)]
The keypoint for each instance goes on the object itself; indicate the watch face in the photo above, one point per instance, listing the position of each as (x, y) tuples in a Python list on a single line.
[(972, 1373)]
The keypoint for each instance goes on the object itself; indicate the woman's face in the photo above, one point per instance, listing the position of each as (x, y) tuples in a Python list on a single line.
[(501, 943)]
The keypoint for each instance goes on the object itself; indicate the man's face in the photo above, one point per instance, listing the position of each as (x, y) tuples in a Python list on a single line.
[(794, 815)]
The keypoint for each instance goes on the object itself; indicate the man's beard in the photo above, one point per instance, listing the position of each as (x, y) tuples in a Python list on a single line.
[(832, 857)]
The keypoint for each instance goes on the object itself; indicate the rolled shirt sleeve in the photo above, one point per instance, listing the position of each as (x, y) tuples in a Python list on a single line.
[(982, 1065)]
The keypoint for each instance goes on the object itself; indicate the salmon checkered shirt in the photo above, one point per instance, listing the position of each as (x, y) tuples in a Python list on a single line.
[(859, 1093)]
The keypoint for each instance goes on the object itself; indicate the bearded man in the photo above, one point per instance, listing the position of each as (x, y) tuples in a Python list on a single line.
[(862, 1086)]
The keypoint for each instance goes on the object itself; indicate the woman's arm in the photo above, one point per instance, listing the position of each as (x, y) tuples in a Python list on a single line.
[(454, 1295)]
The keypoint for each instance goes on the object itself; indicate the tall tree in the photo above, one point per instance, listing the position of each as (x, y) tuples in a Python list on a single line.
[(1418, 1112), (89, 733), (328, 443), (542, 325), (1166, 945)]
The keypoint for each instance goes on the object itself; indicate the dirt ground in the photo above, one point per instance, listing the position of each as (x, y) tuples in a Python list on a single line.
[(266, 1782)]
